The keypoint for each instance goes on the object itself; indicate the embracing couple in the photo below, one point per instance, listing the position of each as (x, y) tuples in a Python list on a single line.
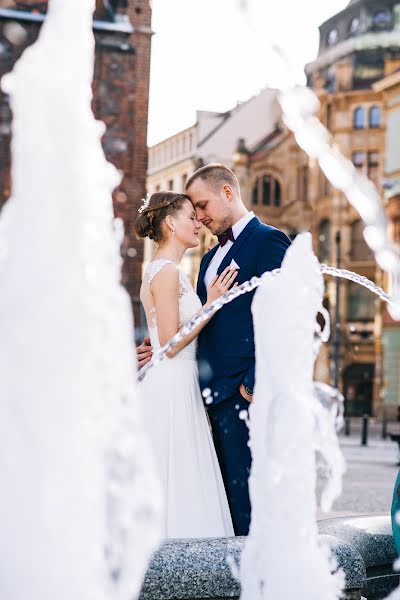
[(204, 476)]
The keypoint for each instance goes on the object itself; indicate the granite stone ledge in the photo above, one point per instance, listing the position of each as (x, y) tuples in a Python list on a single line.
[(370, 536), (200, 569)]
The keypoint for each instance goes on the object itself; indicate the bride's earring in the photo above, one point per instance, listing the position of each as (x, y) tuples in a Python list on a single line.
[(173, 231)]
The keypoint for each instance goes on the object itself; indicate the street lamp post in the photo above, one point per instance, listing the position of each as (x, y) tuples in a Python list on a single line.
[(336, 328)]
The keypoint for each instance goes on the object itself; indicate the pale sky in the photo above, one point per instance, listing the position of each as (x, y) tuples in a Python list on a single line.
[(207, 55)]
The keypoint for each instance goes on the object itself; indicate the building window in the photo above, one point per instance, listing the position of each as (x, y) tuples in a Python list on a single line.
[(184, 178), (157, 188), (382, 19), (333, 37), (358, 159), (324, 185), (373, 167), (254, 193), (266, 190), (360, 303), (375, 117), (302, 183), (359, 250), (359, 118), (171, 185), (324, 241), (329, 117), (277, 193), (271, 191), (354, 25)]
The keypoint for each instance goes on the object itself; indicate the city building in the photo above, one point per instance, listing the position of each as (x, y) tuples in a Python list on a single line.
[(353, 77), (122, 30), (213, 138), (389, 87)]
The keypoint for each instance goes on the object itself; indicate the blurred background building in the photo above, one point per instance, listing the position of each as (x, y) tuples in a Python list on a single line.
[(356, 77), (122, 30)]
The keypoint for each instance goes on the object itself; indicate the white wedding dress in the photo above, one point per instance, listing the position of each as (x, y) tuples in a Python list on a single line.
[(177, 425)]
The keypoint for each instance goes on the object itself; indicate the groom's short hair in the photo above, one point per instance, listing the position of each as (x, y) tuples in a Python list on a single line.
[(216, 175)]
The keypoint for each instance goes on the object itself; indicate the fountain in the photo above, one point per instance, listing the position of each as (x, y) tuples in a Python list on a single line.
[(80, 512), (80, 509), (283, 422)]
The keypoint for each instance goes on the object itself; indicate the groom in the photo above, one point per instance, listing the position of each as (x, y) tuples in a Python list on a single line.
[(226, 344)]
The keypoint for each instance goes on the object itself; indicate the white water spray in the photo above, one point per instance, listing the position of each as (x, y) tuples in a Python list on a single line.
[(286, 426), (79, 515)]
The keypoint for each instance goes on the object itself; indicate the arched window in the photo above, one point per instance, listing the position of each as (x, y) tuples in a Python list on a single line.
[(354, 25), (333, 37), (271, 191), (266, 196), (254, 193), (359, 118), (324, 241), (359, 251), (375, 117)]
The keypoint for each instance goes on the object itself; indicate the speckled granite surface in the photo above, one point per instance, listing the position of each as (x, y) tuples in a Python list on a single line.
[(371, 536), (193, 569), (200, 569)]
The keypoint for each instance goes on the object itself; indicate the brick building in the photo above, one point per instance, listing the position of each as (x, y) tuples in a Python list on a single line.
[(122, 30)]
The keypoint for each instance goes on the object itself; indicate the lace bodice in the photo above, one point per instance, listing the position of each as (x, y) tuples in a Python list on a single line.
[(189, 304)]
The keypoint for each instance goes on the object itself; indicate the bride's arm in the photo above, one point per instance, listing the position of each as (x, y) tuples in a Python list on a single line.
[(165, 291)]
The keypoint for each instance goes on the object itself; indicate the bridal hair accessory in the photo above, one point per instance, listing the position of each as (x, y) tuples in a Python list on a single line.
[(145, 203)]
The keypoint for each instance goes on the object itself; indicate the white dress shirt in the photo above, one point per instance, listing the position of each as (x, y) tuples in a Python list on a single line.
[(222, 251)]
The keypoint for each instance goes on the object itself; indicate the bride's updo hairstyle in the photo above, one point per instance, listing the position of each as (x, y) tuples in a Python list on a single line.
[(154, 211)]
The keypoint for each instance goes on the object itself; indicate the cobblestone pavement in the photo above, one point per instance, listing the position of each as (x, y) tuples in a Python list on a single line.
[(371, 474)]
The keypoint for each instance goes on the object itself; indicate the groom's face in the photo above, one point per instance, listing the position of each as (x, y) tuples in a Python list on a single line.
[(212, 207)]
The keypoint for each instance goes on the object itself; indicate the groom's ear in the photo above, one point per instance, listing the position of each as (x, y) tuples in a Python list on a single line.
[(228, 191)]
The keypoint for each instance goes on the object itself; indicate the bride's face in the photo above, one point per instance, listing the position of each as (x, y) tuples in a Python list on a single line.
[(186, 226)]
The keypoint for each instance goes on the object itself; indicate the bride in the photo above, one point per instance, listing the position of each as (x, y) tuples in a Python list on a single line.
[(174, 414)]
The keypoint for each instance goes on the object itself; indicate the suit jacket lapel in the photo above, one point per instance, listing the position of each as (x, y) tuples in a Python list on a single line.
[(238, 243), (201, 286)]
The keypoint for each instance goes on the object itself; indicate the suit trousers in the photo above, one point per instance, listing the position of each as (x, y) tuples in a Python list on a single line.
[(231, 438)]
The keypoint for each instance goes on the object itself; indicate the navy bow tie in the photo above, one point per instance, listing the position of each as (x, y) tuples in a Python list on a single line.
[(227, 235)]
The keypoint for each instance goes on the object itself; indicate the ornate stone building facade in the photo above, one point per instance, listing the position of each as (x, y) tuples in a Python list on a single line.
[(359, 47), (122, 30)]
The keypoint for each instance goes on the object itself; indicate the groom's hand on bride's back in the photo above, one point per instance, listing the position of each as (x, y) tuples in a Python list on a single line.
[(144, 352)]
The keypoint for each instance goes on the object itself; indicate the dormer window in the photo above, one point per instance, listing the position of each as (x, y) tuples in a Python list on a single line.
[(382, 19), (333, 37), (354, 25)]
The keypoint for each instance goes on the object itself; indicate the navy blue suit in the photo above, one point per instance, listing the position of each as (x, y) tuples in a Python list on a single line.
[(227, 359)]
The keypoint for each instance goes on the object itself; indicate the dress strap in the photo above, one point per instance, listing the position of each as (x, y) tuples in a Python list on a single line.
[(155, 267)]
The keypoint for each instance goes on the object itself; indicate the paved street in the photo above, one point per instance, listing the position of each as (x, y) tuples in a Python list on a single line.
[(371, 474)]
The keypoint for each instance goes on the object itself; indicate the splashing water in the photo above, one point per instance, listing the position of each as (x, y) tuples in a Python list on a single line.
[(249, 286), (287, 425), (80, 509)]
